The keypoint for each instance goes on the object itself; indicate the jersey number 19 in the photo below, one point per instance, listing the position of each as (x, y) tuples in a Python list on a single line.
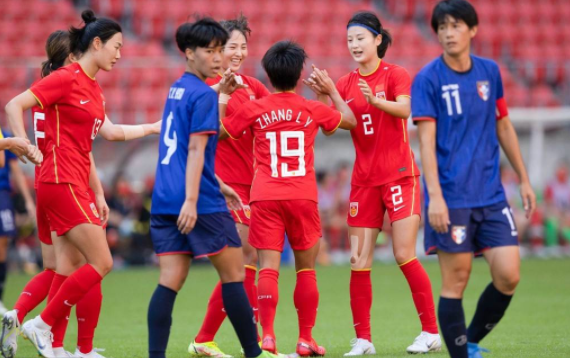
[(287, 152)]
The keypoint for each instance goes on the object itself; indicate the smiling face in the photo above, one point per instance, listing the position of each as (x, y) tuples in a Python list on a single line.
[(362, 44), (107, 54), (235, 51), (455, 36)]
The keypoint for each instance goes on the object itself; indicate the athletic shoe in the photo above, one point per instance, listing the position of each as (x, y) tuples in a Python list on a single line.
[(93, 354), (360, 347), (268, 344), (309, 349), (424, 343), (3, 309), (40, 338), (60, 352), (207, 349), (266, 354), (10, 332), (474, 351)]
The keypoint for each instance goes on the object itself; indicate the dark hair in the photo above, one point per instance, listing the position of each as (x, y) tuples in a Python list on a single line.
[(200, 34), (369, 19), (284, 63), (57, 50), (458, 9), (240, 24), (81, 38)]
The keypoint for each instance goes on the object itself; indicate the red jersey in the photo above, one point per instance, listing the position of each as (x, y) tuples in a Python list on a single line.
[(39, 120), (234, 158), (383, 152), (284, 127), (75, 112)]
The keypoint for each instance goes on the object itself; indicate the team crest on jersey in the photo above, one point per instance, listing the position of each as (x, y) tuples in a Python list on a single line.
[(251, 94), (483, 89), (458, 234), (381, 95), (247, 211), (353, 209), (94, 210)]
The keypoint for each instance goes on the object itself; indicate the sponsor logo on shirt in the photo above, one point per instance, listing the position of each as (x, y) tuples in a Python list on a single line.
[(458, 234), (483, 89), (353, 209)]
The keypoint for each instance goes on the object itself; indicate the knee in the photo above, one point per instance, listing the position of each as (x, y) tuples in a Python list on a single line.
[(404, 255), (250, 256), (455, 284), (508, 283), (49, 264), (233, 275), (104, 266), (172, 280)]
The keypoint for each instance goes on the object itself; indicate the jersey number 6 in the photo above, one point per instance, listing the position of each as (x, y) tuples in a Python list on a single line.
[(286, 152)]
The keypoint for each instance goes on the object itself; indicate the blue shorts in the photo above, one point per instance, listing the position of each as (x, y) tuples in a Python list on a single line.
[(7, 221), (211, 234), (474, 230)]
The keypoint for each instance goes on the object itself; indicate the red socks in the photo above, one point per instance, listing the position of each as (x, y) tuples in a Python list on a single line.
[(268, 296), (87, 311), (306, 298), (361, 303), (251, 289), (422, 295), (34, 293), (60, 326), (70, 292), (215, 315)]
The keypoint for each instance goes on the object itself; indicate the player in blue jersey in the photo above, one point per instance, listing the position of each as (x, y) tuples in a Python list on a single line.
[(462, 117), (189, 214)]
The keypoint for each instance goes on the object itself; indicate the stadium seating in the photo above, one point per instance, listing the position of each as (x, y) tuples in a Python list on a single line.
[(527, 38)]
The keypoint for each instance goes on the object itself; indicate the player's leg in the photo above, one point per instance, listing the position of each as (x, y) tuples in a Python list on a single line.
[(365, 218), (3, 270), (455, 270)]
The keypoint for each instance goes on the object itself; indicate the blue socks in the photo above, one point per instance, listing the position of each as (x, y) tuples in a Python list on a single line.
[(160, 320), (452, 326), (490, 309), (240, 314)]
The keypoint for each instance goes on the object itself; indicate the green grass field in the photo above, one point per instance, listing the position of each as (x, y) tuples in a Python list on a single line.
[(536, 325)]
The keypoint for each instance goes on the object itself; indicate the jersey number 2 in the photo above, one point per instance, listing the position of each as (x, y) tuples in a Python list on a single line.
[(286, 152), (367, 123)]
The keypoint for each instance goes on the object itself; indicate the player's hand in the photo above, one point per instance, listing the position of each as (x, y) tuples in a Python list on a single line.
[(438, 214), (34, 155), (230, 82), (102, 208), (367, 91), (232, 198), (320, 82), (155, 127), (31, 209), (18, 146), (188, 216), (528, 199)]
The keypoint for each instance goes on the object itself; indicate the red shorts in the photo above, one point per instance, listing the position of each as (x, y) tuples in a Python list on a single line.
[(271, 220), (242, 216), (369, 203), (42, 222), (66, 206)]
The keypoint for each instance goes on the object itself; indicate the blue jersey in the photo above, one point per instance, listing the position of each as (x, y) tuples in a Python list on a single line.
[(5, 171), (465, 107), (191, 108)]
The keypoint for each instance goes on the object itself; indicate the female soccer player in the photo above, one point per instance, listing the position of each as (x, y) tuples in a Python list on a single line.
[(49, 280), (63, 192), (462, 119), (234, 165), (385, 178), (190, 219)]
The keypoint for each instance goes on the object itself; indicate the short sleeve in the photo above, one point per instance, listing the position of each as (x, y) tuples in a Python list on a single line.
[(260, 90), (52, 88), (203, 113), (328, 118), (400, 82), (501, 104), (423, 99), (238, 122)]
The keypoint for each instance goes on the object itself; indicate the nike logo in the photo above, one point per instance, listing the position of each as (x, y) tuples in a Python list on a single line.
[(349, 100), (356, 324), (67, 303), (83, 102), (38, 343), (398, 208)]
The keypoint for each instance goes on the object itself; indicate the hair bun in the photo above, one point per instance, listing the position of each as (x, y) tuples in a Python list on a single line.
[(88, 16)]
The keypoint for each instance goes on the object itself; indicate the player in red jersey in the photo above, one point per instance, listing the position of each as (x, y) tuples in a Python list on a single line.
[(385, 178), (75, 96), (284, 190), (234, 165), (58, 267)]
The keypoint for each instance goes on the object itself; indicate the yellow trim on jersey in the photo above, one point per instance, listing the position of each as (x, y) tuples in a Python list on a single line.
[(1, 134), (57, 122), (229, 135), (237, 215), (249, 267), (305, 270), (371, 73), (335, 128), (37, 99), (55, 165), (404, 130), (407, 262), (82, 70), (361, 270), (403, 95), (77, 201), (292, 91)]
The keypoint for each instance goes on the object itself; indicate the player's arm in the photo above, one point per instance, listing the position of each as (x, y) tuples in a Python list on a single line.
[(15, 145), (123, 132), (15, 115), (401, 108), (510, 144), (22, 185), (438, 213), (194, 167), (97, 187), (313, 83), (232, 197)]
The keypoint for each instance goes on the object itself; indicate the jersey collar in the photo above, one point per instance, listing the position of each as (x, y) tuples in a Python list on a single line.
[(371, 73)]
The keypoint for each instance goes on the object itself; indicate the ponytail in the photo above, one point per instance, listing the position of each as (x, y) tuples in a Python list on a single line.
[(57, 51), (386, 42), (82, 37)]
